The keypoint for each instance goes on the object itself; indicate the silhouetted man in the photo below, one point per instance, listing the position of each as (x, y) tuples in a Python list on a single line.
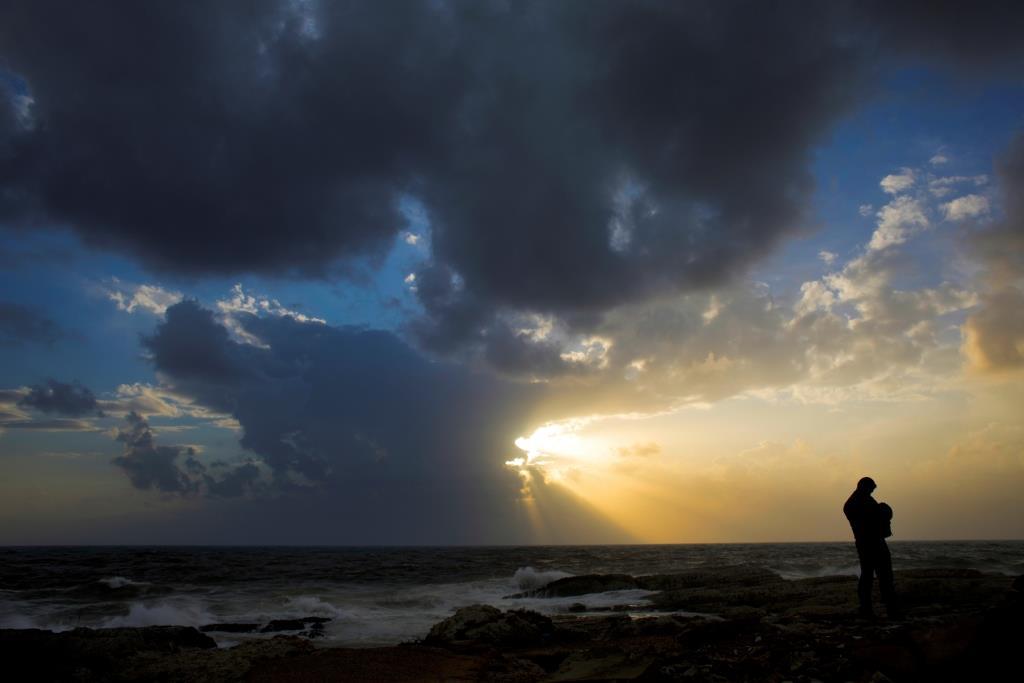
[(871, 525)]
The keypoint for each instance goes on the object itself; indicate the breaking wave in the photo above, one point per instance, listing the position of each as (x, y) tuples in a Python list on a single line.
[(528, 578), (116, 582), (161, 614)]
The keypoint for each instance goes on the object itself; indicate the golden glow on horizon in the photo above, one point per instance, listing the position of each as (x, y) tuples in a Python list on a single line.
[(752, 469), (590, 468)]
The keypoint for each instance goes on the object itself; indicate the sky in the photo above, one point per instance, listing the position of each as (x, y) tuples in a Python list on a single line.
[(292, 272)]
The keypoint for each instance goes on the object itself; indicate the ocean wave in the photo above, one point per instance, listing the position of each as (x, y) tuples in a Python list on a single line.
[(816, 572), (161, 614), (312, 605), (528, 578), (116, 582), (400, 601)]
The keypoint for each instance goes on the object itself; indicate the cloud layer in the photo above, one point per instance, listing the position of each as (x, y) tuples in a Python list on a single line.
[(569, 157), (73, 400), (994, 335), (351, 422)]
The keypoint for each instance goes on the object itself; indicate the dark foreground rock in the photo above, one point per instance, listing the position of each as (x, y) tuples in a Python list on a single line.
[(483, 624), (230, 628), (278, 625), (753, 626), (88, 654)]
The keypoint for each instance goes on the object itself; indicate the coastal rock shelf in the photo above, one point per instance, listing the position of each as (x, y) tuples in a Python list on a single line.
[(958, 625)]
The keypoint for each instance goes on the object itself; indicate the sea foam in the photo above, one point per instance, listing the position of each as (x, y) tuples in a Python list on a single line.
[(161, 614), (116, 582), (528, 578)]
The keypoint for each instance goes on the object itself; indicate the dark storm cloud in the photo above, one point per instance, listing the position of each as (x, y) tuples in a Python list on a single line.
[(20, 324), (995, 331), (319, 402), (364, 439), (981, 34), (570, 156), (73, 400), (1003, 245), (150, 466), (176, 469), (235, 482), (196, 347), (158, 127)]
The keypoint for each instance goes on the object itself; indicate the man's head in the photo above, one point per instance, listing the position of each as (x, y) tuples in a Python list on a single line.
[(866, 485)]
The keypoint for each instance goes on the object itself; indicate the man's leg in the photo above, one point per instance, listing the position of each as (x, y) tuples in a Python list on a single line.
[(885, 581), (867, 574)]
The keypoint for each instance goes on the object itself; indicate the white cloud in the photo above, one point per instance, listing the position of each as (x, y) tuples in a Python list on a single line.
[(592, 351), (968, 206), (412, 238), (535, 327), (898, 182), (814, 296), (940, 187), (713, 309), (865, 209), (864, 331), (151, 298), (151, 400), (861, 278), (938, 159), (145, 399), (240, 302), (897, 220)]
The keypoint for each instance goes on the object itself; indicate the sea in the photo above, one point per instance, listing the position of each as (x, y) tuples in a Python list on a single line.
[(387, 595)]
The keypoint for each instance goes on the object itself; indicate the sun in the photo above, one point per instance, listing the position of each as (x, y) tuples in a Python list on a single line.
[(558, 451)]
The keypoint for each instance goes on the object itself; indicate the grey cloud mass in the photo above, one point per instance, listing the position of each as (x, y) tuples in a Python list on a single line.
[(152, 466), (994, 334), (176, 469), (363, 437), (318, 403), (571, 157), (62, 398)]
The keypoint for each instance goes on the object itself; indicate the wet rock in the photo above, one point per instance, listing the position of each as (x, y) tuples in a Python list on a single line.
[(486, 624), (278, 625), (717, 577), (229, 628), (758, 590), (581, 585)]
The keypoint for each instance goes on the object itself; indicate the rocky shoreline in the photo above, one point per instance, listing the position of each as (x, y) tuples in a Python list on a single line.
[(737, 624)]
